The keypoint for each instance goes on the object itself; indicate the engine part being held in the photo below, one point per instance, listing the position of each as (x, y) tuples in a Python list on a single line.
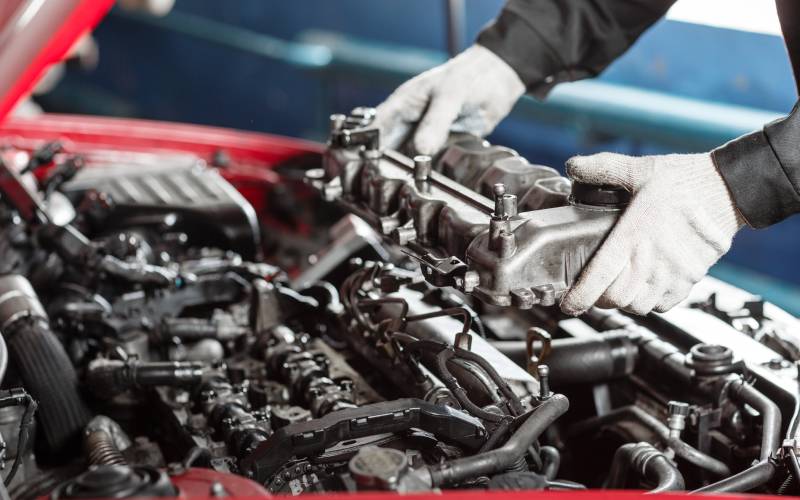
[(153, 345), (478, 218)]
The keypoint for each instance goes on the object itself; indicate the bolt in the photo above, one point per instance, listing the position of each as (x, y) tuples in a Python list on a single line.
[(507, 244), (499, 191), (364, 113), (544, 381), (509, 205), (404, 235), (422, 167), (471, 280), (677, 412)]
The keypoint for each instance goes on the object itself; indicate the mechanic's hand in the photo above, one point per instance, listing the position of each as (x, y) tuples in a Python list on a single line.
[(681, 219), (470, 93)]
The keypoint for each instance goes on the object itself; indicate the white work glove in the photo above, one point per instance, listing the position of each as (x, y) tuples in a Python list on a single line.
[(470, 93), (680, 221)]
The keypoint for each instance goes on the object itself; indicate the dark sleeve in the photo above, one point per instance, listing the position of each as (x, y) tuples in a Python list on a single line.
[(762, 171), (551, 41)]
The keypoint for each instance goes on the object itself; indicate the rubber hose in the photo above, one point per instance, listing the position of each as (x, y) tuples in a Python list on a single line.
[(648, 462), (501, 459), (747, 480), (49, 376), (770, 415), (681, 448), (551, 459), (576, 361)]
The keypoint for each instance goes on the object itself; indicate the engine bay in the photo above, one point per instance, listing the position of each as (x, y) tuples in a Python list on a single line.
[(391, 324)]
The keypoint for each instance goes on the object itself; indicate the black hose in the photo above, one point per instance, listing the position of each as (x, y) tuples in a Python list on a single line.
[(769, 411), (43, 364), (500, 459), (459, 392), (513, 400), (747, 480), (648, 462), (682, 449), (576, 361), (107, 378), (49, 376), (551, 459), (498, 434), (664, 474)]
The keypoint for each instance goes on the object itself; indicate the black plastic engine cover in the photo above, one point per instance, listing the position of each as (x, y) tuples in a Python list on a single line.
[(187, 196)]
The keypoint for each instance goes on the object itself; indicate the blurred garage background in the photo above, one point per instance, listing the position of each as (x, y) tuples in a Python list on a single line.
[(713, 70)]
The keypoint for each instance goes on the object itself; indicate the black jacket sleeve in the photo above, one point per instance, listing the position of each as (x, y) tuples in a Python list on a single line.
[(552, 41), (762, 171)]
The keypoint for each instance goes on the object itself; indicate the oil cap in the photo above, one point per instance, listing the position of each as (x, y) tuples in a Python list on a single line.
[(375, 468), (599, 196)]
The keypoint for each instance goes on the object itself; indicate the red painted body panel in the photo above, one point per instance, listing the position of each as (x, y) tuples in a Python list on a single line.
[(153, 136), (250, 156), (82, 16)]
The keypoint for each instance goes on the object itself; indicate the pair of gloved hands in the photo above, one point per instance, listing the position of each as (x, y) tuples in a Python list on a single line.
[(681, 218)]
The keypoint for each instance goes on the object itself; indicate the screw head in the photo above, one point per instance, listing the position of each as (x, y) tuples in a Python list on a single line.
[(678, 408)]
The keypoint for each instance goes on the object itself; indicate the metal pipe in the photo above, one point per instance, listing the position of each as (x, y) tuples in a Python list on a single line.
[(500, 459)]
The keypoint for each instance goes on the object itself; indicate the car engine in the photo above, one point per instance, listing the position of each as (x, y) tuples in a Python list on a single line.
[(161, 338)]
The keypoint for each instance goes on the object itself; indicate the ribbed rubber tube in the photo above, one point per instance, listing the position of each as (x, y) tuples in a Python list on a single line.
[(49, 376)]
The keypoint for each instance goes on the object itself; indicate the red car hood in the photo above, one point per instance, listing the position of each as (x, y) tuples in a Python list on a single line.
[(34, 34)]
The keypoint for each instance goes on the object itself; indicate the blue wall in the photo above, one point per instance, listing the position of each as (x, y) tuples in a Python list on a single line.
[(155, 72)]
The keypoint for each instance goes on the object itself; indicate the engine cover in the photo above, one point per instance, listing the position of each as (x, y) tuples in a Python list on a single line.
[(478, 217), (184, 195)]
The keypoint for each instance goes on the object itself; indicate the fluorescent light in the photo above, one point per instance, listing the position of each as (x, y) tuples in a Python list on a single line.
[(757, 16)]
